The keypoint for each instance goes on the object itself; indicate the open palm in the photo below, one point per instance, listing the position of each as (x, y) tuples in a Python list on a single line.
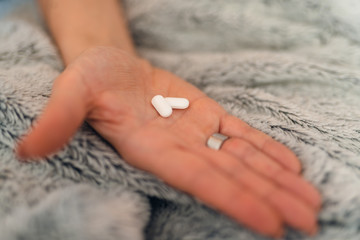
[(253, 178)]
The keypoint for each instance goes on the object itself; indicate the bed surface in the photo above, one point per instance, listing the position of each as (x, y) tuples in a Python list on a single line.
[(288, 68)]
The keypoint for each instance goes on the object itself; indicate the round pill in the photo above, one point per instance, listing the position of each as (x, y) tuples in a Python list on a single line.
[(161, 106)]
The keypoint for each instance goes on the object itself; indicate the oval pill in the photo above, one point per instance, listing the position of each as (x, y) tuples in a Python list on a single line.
[(177, 103), (161, 106)]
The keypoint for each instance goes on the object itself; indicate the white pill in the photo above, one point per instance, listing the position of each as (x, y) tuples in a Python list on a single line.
[(161, 106), (177, 103)]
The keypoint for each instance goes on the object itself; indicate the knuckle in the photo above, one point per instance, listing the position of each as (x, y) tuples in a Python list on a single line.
[(247, 150), (268, 142), (197, 180), (191, 178)]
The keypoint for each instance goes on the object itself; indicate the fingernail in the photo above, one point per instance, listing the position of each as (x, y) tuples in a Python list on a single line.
[(23, 156), (313, 231), (20, 152), (20, 155), (279, 234)]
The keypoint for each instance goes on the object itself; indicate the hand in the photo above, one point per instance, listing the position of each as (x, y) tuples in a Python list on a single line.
[(252, 178)]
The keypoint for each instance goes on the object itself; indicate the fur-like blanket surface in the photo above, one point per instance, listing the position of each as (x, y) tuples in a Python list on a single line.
[(287, 67)]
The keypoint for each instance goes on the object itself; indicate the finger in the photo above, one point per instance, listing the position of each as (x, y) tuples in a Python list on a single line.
[(295, 212), (198, 178), (233, 126), (60, 119), (190, 172), (265, 166)]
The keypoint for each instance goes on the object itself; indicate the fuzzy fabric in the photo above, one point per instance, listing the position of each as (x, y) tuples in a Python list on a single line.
[(288, 68)]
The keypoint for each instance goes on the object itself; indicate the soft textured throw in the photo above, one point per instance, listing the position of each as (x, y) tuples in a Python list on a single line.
[(287, 67)]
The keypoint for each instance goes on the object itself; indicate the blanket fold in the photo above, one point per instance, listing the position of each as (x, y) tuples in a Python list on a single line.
[(288, 68)]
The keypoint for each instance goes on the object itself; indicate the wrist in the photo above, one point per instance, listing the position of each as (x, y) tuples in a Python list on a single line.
[(70, 48), (82, 24)]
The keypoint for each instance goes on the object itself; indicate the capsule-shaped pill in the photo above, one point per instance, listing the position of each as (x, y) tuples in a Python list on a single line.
[(177, 103), (161, 106)]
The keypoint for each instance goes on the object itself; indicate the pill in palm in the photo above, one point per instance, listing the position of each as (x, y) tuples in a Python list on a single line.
[(177, 103), (161, 106)]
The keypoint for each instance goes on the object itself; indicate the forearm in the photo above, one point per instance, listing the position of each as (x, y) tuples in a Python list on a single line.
[(80, 24)]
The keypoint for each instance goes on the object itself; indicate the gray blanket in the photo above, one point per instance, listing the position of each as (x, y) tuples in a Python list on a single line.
[(288, 68)]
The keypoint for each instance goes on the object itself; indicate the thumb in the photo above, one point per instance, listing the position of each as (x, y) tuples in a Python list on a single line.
[(64, 113)]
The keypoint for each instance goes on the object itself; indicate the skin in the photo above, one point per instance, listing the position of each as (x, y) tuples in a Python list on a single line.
[(253, 179)]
